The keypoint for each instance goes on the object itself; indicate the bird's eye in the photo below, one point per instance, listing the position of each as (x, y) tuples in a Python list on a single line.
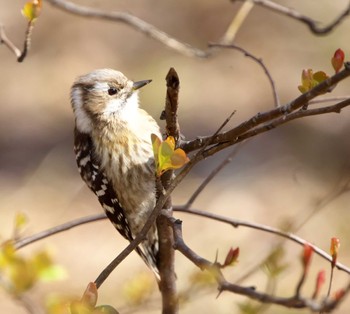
[(112, 91)]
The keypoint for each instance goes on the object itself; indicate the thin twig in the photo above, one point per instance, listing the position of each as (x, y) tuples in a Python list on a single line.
[(258, 61), (27, 39), (251, 292), (241, 223), (212, 175), (5, 40), (312, 24), (57, 229), (328, 99), (237, 22), (240, 132), (133, 21)]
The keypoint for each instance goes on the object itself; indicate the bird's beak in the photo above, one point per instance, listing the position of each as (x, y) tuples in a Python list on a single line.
[(140, 84)]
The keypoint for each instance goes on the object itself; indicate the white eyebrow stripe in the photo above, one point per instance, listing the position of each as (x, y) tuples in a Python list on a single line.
[(103, 86)]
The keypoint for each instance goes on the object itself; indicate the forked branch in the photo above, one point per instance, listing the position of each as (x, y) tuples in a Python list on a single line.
[(223, 285)]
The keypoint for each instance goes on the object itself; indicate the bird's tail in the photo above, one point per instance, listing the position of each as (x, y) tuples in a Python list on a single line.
[(148, 250)]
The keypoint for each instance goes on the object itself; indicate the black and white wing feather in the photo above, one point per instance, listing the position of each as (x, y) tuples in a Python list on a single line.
[(94, 177)]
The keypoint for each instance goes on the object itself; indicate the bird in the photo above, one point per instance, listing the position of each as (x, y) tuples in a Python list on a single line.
[(114, 154)]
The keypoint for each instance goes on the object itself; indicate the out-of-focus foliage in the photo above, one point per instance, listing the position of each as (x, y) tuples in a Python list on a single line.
[(19, 273)]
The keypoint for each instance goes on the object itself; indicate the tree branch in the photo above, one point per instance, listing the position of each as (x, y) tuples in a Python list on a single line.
[(166, 252), (57, 229), (211, 176), (8, 43), (240, 223), (133, 21), (258, 61), (238, 133), (294, 14), (251, 292), (282, 120)]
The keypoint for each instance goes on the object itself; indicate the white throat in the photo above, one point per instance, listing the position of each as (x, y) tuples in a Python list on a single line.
[(123, 110)]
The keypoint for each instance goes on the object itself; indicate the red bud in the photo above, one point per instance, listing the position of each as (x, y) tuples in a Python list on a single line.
[(231, 256), (338, 60), (321, 278), (306, 257)]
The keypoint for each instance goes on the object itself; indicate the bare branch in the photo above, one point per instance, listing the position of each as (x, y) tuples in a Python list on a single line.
[(251, 292), (237, 22), (5, 40), (249, 127), (240, 223), (133, 21), (258, 61), (166, 257), (27, 41), (66, 226), (328, 99), (312, 24), (211, 176)]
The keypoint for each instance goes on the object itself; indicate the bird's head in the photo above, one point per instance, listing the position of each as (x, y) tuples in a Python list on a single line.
[(101, 94)]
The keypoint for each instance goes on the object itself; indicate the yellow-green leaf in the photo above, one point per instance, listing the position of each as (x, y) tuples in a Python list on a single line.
[(166, 156), (319, 77), (178, 158), (31, 9), (156, 141), (309, 79)]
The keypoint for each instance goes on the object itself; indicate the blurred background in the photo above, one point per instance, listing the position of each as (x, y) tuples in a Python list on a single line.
[(279, 178)]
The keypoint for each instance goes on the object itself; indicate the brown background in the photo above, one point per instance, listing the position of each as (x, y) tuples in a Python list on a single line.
[(276, 178)]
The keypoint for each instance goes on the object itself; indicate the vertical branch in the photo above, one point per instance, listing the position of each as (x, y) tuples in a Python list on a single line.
[(166, 240), (171, 104)]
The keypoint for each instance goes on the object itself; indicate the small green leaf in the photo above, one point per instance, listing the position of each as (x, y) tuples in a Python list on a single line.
[(156, 141), (166, 156), (309, 79), (319, 77)]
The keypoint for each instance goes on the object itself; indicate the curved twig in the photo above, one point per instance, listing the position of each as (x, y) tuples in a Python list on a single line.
[(258, 61), (133, 21), (268, 118), (241, 223), (312, 24), (20, 55), (60, 228), (251, 292)]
